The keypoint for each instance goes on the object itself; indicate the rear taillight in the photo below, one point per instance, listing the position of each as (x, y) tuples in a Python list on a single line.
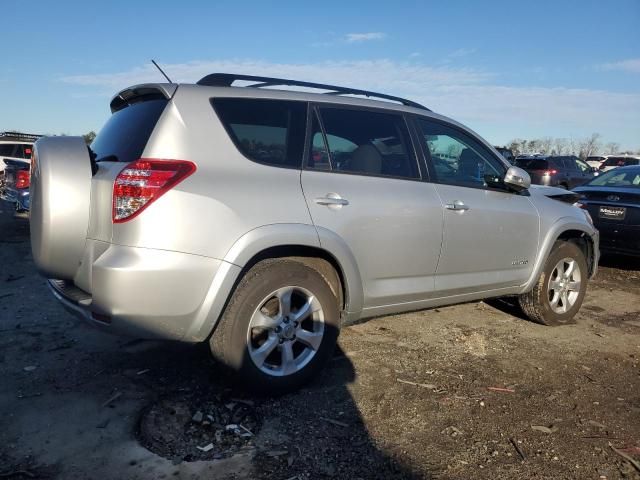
[(23, 179), (549, 172), (142, 182)]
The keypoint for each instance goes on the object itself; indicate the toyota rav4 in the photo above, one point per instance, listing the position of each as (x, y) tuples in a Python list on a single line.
[(260, 220)]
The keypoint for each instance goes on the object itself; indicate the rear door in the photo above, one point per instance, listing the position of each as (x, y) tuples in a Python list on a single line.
[(362, 183), (491, 235)]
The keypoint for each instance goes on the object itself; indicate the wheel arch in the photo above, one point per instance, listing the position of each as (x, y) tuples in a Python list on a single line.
[(299, 241), (569, 230)]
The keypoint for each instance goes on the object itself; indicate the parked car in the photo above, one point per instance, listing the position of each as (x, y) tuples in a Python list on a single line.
[(596, 160), (618, 161), (564, 171), (613, 200), (15, 188), (261, 220), (506, 153), (16, 146), (15, 156)]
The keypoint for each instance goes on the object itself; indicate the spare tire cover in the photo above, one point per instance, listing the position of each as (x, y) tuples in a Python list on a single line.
[(60, 198)]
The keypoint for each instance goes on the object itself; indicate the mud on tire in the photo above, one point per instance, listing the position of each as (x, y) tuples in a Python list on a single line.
[(560, 290)]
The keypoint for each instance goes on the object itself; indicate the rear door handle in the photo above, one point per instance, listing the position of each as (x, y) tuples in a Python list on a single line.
[(332, 199), (457, 206)]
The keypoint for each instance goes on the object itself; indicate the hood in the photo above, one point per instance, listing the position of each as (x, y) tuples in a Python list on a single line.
[(554, 192)]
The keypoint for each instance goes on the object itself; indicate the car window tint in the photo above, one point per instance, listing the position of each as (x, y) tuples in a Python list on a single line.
[(126, 133), (582, 166), (266, 131), (7, 149), (617, 178), (532, 164), (457, 158), (370, 143)]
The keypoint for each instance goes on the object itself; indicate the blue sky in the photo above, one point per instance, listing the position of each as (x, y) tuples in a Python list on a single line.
[(507, 69)]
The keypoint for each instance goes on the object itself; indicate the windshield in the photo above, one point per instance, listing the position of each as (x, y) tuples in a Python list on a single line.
[(628, 177)]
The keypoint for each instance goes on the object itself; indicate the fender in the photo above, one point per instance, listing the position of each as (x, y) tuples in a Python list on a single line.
[(260, 239), (560, 226)]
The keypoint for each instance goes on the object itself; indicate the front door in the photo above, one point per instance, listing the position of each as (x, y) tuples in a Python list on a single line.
[(491, 235)]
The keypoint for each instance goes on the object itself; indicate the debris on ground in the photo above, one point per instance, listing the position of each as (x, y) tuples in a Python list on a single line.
[(111, 399), (543, 429), (501, 389), (334, 422), (415, 384)]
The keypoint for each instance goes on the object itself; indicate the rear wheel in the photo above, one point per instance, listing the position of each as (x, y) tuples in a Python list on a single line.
[(560, 290), (279, 328)]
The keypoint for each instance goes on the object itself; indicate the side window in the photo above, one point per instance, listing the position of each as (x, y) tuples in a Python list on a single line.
[(266, 131), (457, 158), (366, 142), (582, 166), (7, 149)]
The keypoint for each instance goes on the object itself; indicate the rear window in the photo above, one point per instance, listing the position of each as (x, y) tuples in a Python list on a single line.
[(620, 161), (532, 164), (618, 178), (124, 136), (265, 131), (7, 149)]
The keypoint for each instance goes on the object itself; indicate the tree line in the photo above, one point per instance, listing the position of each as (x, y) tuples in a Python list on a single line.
[(583, 148)]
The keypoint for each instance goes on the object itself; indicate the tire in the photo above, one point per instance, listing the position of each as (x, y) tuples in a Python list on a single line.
[(255, 322), (546, 303)]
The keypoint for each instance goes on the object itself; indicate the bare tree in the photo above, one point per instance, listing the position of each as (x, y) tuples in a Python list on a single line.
[(589, 146), (612, 148), (561, 146), (545, 144)]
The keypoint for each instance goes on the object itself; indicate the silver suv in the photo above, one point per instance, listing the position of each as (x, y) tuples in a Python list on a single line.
[(260, 220)]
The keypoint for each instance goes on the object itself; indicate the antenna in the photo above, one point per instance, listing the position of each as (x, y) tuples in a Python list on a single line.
[(161, 71)]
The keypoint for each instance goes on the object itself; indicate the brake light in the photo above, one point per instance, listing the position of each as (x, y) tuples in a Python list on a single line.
[(23, 179), (549, 172), (142, 182)]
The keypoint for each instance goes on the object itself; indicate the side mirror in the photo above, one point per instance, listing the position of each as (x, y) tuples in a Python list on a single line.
[(517, 179)]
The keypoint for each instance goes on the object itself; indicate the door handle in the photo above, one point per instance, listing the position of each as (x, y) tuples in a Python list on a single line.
[(332, 200), (457, 206)]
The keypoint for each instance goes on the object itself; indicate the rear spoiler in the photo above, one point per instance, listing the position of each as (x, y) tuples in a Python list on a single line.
[(140, 93)]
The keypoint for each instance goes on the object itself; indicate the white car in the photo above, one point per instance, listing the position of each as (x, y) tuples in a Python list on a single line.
[(16, 146), (614, 161)]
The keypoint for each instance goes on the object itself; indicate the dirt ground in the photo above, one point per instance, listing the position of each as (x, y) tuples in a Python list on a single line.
[(469, 391)]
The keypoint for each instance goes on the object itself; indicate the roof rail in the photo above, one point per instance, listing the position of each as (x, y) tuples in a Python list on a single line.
[(227, 79), (19, 136)]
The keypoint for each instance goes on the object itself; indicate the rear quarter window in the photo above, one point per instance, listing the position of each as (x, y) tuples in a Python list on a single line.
[(265, 131), (127, 131)]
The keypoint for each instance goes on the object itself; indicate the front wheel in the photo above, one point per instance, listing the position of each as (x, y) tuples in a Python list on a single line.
[(279, 328), (560, 290)]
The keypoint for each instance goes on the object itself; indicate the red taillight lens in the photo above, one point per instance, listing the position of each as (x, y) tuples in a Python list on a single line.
[(23, 179), (550, 172), (142, 182)]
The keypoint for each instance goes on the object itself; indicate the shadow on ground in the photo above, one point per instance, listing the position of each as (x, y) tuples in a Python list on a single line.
[(80, 403)]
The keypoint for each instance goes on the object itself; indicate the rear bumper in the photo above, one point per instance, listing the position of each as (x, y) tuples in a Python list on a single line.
[(148, 293)]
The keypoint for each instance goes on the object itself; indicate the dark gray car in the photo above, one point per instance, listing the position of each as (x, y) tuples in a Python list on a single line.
[(564, 171)]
